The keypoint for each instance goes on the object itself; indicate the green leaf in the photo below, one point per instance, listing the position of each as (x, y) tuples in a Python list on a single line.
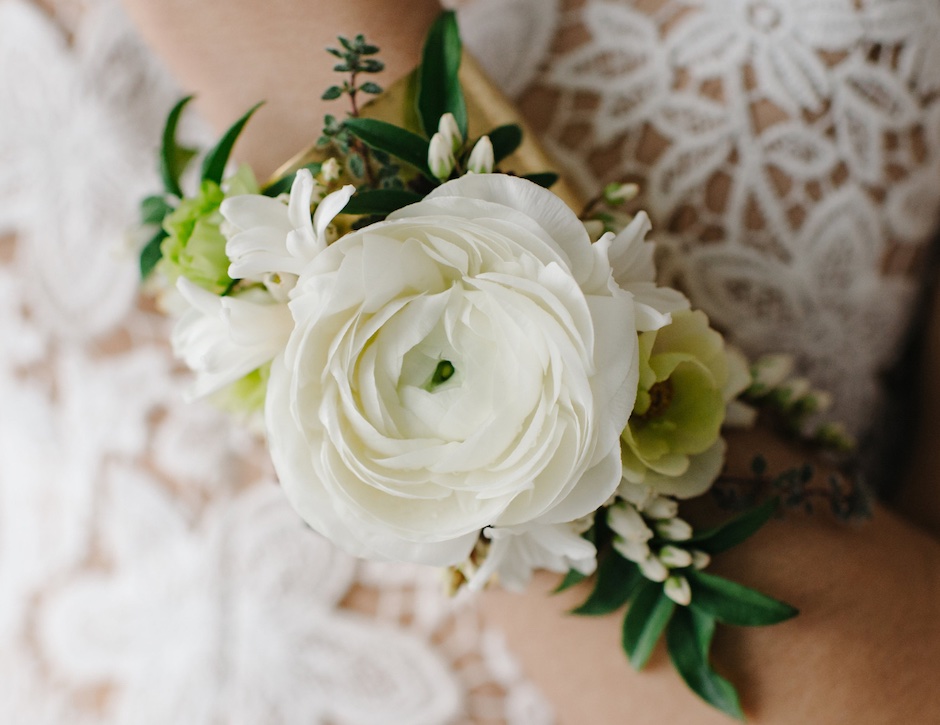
[(733, 532), (153, 209), (213, 165), (647, 617), (151, 253), (357, 165), (332, 93), (546, 178), (689, 639), (402, 144), (380, 201), (369, 87), (284, 184), (439, 89), (173, 157), (617, 579), (572, 578), (733, 603), (505, 140)]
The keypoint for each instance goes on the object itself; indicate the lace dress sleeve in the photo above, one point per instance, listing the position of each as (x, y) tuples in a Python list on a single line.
[(151, 570), (788, 154)]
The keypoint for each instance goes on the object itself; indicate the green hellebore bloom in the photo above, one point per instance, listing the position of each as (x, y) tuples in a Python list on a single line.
[(195, 247), (672, 441)]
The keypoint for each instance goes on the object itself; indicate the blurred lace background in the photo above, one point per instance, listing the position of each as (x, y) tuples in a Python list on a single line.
[(150, 569)]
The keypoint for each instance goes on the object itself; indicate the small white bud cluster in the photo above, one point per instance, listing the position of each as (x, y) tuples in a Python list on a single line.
[(444, 144), (638, 518), (794, 398)]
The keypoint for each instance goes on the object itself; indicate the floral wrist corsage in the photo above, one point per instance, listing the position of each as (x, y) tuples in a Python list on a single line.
[(455, 369)]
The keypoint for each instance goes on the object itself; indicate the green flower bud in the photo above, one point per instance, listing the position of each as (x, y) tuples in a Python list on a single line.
[(195, 247)]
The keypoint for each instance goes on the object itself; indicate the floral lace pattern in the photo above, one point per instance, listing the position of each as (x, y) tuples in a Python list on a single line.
[(788, 152), (150, 569)]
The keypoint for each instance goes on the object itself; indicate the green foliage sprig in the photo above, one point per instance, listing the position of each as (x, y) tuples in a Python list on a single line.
[(438, 93), (174, 159), (651, 612)]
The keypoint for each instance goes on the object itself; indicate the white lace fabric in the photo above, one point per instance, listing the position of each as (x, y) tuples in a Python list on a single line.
[(151, 571), (788, 152)]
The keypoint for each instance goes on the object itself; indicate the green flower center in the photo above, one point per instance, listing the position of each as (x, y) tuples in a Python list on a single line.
[(660, 398), (442, 373)]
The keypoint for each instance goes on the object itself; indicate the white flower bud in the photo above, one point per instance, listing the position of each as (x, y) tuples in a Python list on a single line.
[(448, 128), (481, 159), (661, 507), (440, 157), (616, 193), (624, 520), (700, 559), (330, 170), (817, 401), (633, 550), (795, 389), (771, 370), (674, 529), (674, 557), (653, 569), (740, 415), (678, 590)]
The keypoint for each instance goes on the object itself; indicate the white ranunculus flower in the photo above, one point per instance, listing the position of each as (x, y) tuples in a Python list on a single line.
[(470, 362)]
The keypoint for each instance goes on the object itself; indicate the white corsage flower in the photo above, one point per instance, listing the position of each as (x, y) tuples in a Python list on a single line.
[(223, 339), (468, 363), (265, 237)]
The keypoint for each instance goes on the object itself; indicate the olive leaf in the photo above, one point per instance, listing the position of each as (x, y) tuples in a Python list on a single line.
[(402, 144), (688, 640), (173, 157), (213, 165), (439, 89)]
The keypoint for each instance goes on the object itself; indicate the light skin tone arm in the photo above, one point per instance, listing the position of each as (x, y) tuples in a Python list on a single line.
[(866, 648), (234, 53)]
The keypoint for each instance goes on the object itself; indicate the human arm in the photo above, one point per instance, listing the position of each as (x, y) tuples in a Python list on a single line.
[(865, 648), (233, 54)]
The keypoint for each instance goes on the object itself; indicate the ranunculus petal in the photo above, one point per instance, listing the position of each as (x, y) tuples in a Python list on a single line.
[(470, 362)]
